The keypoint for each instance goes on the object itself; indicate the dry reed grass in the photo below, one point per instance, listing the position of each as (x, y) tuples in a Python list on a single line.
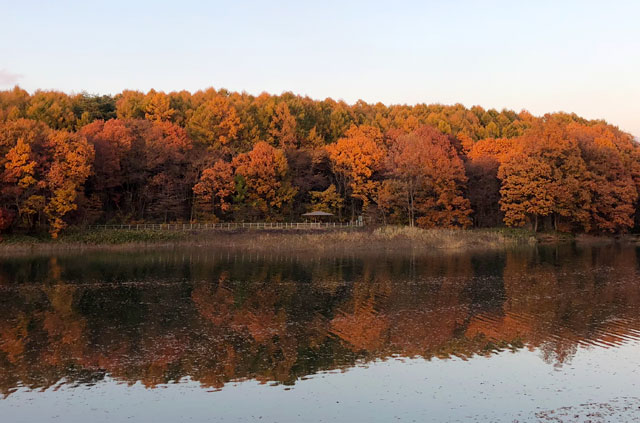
[(368, 239)]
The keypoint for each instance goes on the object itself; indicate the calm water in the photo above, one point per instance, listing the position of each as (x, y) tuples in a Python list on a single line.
[(541, 334)]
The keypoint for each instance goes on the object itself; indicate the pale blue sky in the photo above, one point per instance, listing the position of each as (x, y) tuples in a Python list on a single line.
[(543, 56)]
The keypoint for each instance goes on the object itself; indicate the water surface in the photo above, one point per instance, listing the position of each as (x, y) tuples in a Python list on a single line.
[(535, 334)]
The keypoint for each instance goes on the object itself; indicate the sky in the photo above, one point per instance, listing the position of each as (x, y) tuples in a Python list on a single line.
[(542, 56)]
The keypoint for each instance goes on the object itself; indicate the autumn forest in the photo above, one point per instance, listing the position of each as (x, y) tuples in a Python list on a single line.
[(214, 155)]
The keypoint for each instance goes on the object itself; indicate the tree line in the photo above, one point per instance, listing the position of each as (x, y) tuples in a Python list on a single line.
[(216, 155)]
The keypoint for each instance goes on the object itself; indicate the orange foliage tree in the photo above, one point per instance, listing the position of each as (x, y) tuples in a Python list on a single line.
[(392, 199), (43, 172), (283, 127), (214, 188), (434, 178), (611, 186), (355, 159), (112, 141), (169, 179), (483, 160), (263, 180), (141, 168), (545, 176), (23, 149)]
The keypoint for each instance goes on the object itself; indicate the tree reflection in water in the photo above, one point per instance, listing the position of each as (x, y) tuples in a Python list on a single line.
[(215, 317)]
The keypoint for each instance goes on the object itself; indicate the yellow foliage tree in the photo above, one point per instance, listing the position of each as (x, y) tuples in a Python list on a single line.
[(328, 200), (215, 123), (158, 107), (72, 157)]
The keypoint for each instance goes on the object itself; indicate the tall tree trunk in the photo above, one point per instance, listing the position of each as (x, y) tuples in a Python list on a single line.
[(192, 210), (411, 209), (353, 209)]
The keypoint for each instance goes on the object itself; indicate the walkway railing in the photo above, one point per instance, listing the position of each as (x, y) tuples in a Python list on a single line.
[(227, 225)]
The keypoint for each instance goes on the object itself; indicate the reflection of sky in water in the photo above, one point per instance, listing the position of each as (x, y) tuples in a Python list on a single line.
[(502, 387), (100, 335)]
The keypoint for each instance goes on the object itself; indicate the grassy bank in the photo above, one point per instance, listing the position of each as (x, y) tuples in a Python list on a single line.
[(389, 237), (95, 237)]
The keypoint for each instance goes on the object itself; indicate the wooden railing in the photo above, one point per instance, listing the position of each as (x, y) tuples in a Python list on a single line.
[(226, 225)]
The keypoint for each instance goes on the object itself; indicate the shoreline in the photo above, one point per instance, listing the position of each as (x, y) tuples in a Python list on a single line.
[(308, 240)]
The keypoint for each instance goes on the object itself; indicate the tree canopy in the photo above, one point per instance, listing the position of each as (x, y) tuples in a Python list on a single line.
[(222, 156)]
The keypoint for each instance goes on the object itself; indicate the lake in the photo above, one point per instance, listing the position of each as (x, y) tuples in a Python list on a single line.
[(199, 334)]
